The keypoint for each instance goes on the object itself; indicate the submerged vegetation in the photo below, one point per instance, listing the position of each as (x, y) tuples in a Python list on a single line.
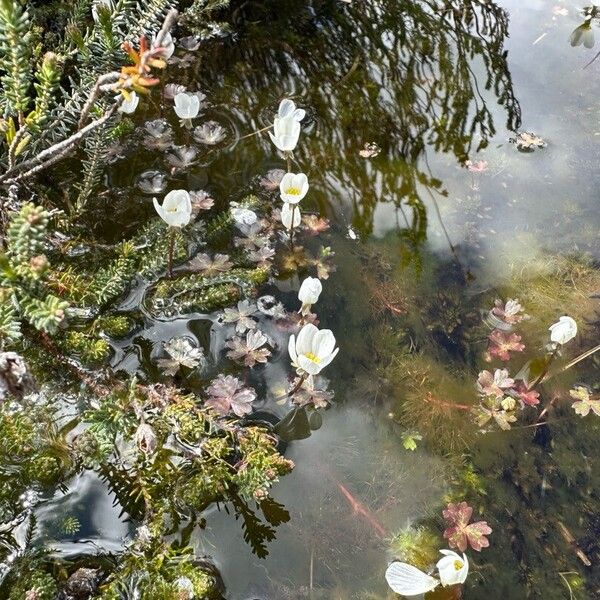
[(159, 338)]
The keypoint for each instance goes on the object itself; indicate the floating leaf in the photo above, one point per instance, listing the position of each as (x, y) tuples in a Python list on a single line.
[(584, 402), (228, 394), (460, 534), (527, 141), (501, 344), (241, 316), (182, 354), (410, 439), (494, 385), (250, 350)]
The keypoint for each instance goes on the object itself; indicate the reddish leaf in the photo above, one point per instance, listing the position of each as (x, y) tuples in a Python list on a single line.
[(460, 534)]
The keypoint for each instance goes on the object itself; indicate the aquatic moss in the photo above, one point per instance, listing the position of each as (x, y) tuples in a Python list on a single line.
[(91, 349), (432, 400), (417, 546), (550, 286), (195, 292)]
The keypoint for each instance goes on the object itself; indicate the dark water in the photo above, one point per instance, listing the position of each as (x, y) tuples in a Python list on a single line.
[(433, 84)]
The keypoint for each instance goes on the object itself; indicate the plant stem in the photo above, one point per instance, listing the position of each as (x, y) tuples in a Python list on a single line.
[(298, 385), (171, 248), (542, 375), (292, 228)]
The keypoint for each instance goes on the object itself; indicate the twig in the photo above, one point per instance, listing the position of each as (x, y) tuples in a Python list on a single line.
[(47, 157), (167, 26), (577, 359), (95, 92), (256, 132), (298, 385), (568, 537)]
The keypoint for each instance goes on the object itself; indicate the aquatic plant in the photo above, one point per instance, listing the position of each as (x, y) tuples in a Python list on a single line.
[(460, 533)]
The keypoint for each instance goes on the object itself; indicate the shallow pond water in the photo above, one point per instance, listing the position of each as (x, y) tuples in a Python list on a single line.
[(428, 106), (429, 85)]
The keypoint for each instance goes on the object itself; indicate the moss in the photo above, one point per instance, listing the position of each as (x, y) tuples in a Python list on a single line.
[(195, 293), (115, 326), (551, 286), (416, 546), (90, 348), (34, 584), (432, 400)]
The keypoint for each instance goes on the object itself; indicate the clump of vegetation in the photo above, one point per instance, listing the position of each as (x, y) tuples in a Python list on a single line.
[(550, 286), (417, 546)]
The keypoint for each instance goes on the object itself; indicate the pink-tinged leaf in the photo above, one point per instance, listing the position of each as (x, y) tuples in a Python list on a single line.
[(501, 344), (529, 397), (460, 534)]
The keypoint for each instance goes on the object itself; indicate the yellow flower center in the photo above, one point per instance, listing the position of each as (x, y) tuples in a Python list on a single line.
[(313, 357), (458, 565), (293, 191), (172, 209)]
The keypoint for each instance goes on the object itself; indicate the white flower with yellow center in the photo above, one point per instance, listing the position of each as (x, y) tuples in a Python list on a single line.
[(176, 209), (452, 567), (130, 103), (409, 581), (313, 350), (293, 187)]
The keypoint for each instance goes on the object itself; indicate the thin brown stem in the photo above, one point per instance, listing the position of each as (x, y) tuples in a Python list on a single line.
[(171, 248), (298, 385)]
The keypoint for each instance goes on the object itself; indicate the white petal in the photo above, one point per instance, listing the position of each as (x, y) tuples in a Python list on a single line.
[(292, 349), (311, 367), (159, 209), (408, 580), (323, 343), (449, 574), (275, 141), (299, 114), (304, 345), (286, 108), (327, 359)]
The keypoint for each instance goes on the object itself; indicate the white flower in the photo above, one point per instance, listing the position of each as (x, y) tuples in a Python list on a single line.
[(129, 105), (309, 293), (286, 131), (452, 568), (293, 187), (287, 108), (563, 331), (289, 212), (167, 44), (313, 350), (584, 34), (408, 580), (187, 107), (176, 209)]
